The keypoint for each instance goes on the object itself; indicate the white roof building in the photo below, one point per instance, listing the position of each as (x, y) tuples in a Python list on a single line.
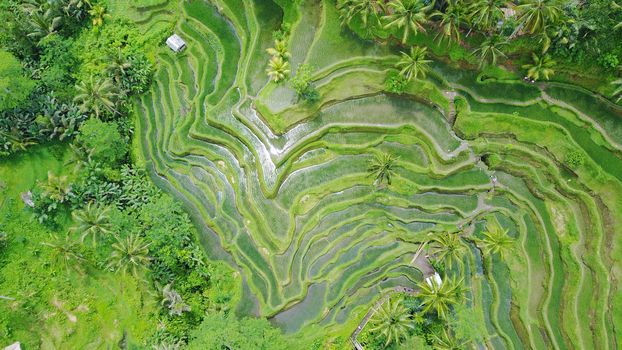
[(175, 42)]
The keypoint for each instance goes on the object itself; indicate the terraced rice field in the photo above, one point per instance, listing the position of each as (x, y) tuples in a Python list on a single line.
[(281, 189)]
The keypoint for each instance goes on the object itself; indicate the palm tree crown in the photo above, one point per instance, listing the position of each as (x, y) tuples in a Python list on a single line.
[(118, 65), (407, 14), (541, 67), (536, 14), (496, 241), (96, 96), (381, 168), (415, 64), (56, 188), (92, 220), (131, 253), (490, 50), (66, 252), (350, 9), (392, 320), (278, 69), (448, 247), (485, 14), (450, 20), (441, 297), (279, 49)]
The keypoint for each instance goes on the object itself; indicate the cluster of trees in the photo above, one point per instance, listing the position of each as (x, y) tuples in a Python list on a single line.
[(279, 69), (579, 33), (437, 316), (59, 69)]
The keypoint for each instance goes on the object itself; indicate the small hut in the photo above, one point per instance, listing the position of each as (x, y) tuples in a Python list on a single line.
[(176, 43)]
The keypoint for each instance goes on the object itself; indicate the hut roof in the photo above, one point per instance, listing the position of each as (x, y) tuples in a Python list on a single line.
[(175, 42)]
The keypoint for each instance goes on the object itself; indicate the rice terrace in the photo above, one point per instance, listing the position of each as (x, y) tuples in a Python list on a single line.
[(310, 174)]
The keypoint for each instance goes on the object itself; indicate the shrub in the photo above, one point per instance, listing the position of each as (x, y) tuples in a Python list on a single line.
[(104, 140), (574, 159), (609, 61), (302, 84), (395, 83), (14, 85)]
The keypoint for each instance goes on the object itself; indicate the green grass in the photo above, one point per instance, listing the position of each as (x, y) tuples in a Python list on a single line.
[(104, 304)]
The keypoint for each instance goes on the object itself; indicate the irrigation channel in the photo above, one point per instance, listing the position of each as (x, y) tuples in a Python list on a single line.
[(280, 188)]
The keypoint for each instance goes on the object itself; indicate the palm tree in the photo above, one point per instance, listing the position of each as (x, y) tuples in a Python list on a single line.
[(381, 168), (56, 188), (415, 64), (96, 96), (279, 50), (92, 220), (349, 9), (98, 13), (490, 50), (541, 67), (407, 14), (66, 252), (617, 93), (278, 69), (117, 65), (131, 253), (536, 14), (448, 247), (495, 241), (441, 297), (392, 320), (448, 341), (450, 20), (173, 301), (485, 14)]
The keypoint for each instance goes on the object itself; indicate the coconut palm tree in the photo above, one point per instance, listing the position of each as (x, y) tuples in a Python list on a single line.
[(365, 9), (93, 220), (409, 15), (172, 300), (381, 168), (451, 19), (447, 340), (541, 67), (617, 93), (415, 64), (534, 15), (278, 69), (96, 96), (490, 50), (448, 247), (279, 50), (485, 14), (131, 253), (117, 65), (66, 252), (495, 241), (56, 188), (392, 321), (441, 298)]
